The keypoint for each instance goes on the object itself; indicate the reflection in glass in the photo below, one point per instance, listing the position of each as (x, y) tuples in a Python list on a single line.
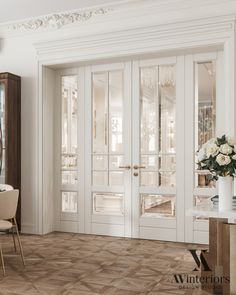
[(100, 162), (167, 163), (150, 162), (167, 178), (116, 112), (108, 203), (107, 127), (116, 177), (115, 162), (69, 114), (204, 179), (69, 129), (158, 107), (202, 201), (69, 161), (69, 202), (149, 110), (205, 111), (100, 113), (148, 178), (100, 178), (167, 101), (69, 177), (157, 205)]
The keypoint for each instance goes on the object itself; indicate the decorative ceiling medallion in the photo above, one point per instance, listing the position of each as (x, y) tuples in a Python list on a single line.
[(58, 20)]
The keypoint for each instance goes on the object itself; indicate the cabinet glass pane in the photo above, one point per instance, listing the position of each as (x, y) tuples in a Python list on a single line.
[(157, 139), (69, 202), (205, 111), (2, 133), (157, 205), (107, 203)]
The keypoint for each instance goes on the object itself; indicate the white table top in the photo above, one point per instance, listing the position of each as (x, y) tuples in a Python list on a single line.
[(208, 211)]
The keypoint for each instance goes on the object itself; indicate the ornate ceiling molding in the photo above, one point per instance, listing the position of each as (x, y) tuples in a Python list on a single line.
[(58, 20)]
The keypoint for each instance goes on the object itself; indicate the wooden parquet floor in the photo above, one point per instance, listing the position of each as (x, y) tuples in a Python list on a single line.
[(75, 264)]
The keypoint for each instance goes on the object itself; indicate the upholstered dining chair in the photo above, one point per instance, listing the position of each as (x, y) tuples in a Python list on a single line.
[(8, 206)]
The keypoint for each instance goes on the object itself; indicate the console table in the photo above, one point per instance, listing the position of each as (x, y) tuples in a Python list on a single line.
[(221, 256)]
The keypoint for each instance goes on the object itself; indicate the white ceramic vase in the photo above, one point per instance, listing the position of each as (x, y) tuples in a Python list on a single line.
[(225, 190)]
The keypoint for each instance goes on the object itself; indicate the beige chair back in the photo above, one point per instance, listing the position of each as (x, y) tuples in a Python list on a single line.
[(8, 204)]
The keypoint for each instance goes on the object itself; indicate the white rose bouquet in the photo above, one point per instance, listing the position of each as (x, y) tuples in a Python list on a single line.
[(218, 155)]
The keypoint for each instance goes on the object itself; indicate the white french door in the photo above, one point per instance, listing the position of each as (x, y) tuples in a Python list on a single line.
[(129, 132), (158, 152), (108, 149)]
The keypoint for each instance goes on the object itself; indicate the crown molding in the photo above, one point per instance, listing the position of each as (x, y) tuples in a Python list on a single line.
[(58, 20), (115, 16), (149, 39)]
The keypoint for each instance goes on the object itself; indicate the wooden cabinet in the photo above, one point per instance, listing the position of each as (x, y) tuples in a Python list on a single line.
[(10, 133)]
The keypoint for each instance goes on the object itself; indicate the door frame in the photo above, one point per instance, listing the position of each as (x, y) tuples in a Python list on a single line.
[(199, 35)]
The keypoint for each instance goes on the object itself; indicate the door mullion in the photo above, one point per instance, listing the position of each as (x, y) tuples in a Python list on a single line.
[(135, 148), (127, 131)]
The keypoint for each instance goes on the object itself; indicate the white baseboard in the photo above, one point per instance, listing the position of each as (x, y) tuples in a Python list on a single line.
[(28, 228)]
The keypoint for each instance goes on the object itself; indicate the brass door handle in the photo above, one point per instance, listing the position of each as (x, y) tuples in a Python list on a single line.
[(138, 167), (127, 167)]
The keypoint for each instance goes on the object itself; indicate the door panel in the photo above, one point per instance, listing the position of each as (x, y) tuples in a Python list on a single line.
[(154, 148), (109, 194)]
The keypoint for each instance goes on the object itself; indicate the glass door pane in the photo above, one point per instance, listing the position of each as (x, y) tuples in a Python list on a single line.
[(107, 141), (205, 112), (2, 133), (205, 124), (157, 139), (69, 145), (107, 128)]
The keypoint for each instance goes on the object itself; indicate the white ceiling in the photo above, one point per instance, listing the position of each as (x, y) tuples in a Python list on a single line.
[(13, 10)]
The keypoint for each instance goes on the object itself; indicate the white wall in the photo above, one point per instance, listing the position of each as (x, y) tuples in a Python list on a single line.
[(20, 58)]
